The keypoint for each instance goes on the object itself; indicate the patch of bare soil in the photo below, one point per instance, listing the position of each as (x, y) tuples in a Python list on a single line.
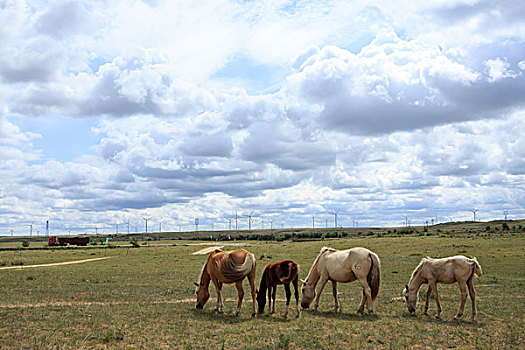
[(53, 264)]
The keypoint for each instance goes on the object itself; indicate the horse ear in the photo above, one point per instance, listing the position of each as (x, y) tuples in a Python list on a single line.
[(195, 283)]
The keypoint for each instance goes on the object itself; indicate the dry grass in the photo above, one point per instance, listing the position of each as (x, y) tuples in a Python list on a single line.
[(143, 299)]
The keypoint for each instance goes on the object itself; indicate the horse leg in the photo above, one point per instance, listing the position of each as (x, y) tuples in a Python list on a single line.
[(429, 290), (363, 303), (274, 292), (433, 284), (296, 294), (463, 289), (472, 293), (240, 292), (334, 292), (218, 287), (251, 280), (288, 297), (322, 283), (368, 294), (269, 300)]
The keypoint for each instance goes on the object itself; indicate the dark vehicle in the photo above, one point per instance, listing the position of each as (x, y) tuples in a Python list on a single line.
[(53, 241)]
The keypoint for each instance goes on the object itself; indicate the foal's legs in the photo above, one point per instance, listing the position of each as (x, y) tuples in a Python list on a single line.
[(269, 300), (334, 292), (296, 294), (463, 289), (368, 293), (288, 297), (240, 293), (472, 293), (322, 283), (218, 287), (433, 285), (429, 290), (274, 292)]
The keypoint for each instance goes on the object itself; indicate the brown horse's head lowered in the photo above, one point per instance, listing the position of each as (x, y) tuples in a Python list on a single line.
[(226, 267)]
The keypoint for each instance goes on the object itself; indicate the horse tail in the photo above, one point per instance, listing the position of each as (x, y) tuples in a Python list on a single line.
[(374, 275), (293, 270), (235, 272), (477, 267)]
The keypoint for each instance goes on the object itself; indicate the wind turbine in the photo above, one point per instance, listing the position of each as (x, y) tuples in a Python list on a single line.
[(196, 224), (229, 223), (313, 221), (505, 212), (249, 220), (406, 220), (146, 219), (474, 212), (335, 217), (31, 227), (271, 224)]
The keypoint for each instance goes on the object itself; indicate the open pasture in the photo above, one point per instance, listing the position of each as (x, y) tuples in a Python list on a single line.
[(144, 298)]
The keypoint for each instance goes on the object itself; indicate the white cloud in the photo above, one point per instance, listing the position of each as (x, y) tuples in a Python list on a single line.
[(401, 107)]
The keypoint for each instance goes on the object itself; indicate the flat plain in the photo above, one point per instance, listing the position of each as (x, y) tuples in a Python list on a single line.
[(143, 298)]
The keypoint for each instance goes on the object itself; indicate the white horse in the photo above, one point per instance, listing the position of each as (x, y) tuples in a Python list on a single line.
[(447, 270), (343, 266)]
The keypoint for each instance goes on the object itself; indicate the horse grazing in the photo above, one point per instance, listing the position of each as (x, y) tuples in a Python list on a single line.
[(343, 266), (226, 267), (283, 272), (447, 270)]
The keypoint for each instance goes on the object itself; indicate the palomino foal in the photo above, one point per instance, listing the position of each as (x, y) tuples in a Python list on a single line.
[(458, 269), (226, 267), (283, 272), (344, 266)]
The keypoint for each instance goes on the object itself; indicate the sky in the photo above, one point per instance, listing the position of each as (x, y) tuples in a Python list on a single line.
[(115, 111)]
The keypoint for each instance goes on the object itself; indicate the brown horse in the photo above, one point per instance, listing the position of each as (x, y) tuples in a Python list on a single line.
[(226, 267), (283, 272), (458, 269)]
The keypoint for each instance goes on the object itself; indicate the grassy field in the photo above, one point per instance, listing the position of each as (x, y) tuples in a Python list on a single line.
[(144, 298)]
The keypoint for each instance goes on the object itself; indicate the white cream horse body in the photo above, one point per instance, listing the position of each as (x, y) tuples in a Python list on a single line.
[(343, 266), (458, 269)]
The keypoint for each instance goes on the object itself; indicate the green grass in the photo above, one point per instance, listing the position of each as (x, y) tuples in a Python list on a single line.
[(144, 298)]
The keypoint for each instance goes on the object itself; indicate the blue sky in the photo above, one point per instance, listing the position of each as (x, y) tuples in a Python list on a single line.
[(115, 110)]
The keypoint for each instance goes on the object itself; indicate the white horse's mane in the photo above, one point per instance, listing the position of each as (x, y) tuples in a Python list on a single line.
[(316, 261)]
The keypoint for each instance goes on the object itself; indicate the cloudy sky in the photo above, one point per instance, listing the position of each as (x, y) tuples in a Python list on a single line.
[(176, 110)]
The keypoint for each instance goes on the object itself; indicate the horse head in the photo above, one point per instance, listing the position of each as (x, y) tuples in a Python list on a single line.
[(411, 299), (261, 300), (203, 295), (308, 292)]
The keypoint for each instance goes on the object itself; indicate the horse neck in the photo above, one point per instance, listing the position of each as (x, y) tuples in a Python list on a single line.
[(205, 276), (264, 286), (415, 281), (313, 275)]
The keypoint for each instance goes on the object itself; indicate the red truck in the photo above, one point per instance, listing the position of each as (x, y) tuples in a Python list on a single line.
[(53, 241)]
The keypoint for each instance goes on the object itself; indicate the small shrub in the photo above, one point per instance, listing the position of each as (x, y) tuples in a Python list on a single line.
[(134, 243), (25, 244)]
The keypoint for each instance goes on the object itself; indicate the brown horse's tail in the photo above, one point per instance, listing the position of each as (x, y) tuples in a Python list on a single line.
[(374, 275), (477, 267), (293, 272)]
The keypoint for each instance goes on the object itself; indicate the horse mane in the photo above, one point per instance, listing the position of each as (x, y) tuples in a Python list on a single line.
[(316, 261), (233, 271), (419, 267)]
